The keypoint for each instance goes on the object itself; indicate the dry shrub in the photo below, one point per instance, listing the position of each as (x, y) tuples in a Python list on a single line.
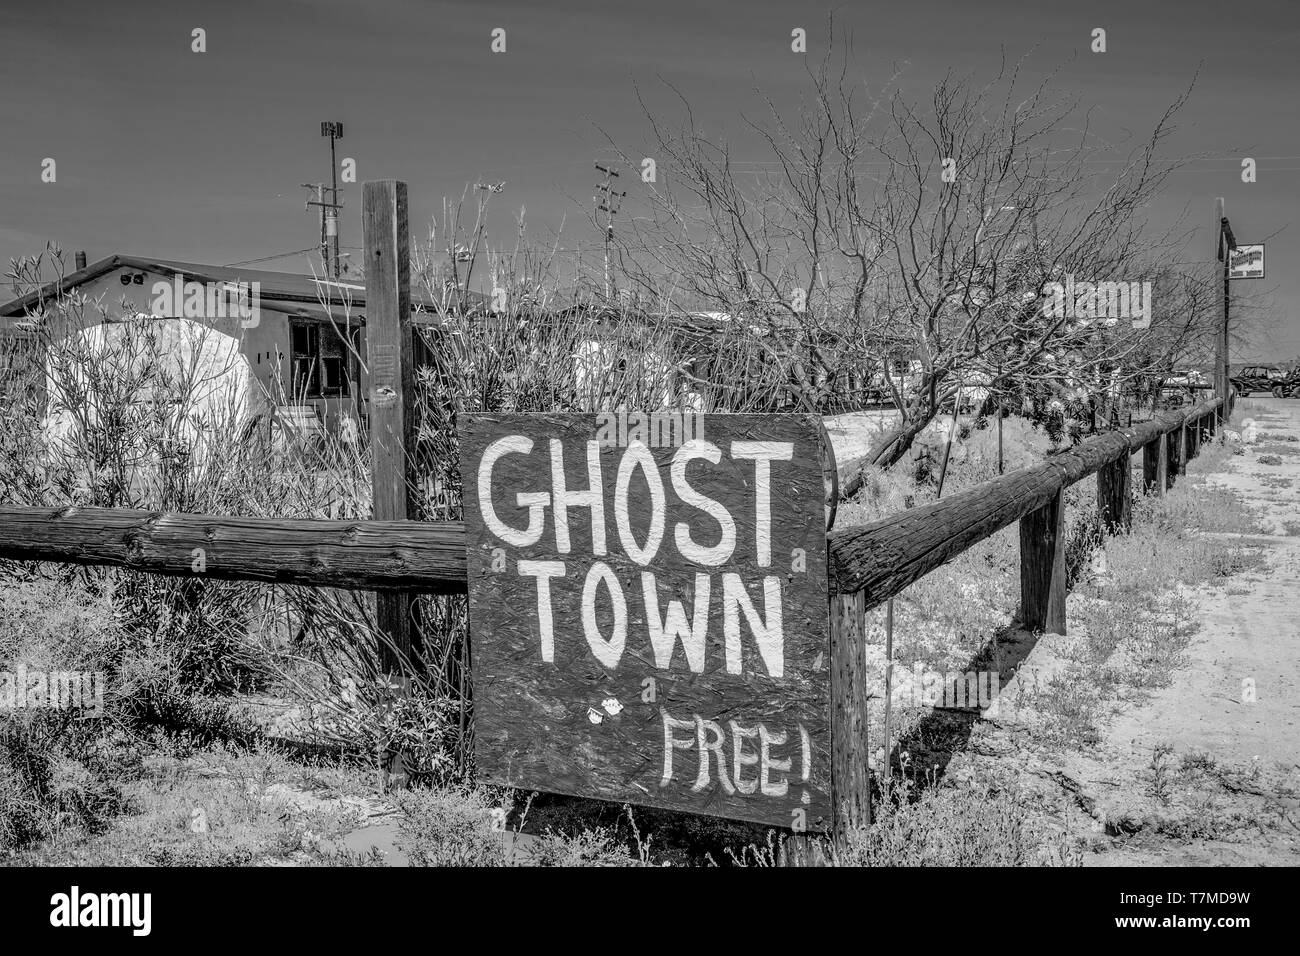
[(460, 826), (949, 826)]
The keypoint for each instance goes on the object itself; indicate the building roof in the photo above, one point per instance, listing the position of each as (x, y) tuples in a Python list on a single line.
[(281, 290)]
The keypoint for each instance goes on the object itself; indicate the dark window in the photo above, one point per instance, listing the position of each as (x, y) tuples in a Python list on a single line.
[(19, 363), (321, 361), (304, 351), (333, 378)]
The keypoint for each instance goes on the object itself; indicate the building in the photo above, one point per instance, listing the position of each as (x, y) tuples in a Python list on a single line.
[(304, 337)]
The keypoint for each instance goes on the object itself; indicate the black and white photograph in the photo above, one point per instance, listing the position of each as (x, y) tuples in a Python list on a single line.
[(650, 435)]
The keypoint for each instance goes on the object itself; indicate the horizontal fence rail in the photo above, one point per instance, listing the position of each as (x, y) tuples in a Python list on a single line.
[(363, 555), (881, 558), (884, 557)]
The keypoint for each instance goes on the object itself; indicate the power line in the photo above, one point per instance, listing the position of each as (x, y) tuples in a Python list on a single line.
[(283, 255)]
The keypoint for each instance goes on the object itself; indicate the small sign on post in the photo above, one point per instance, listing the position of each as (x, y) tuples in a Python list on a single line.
[(648, 609), (1246, 262)]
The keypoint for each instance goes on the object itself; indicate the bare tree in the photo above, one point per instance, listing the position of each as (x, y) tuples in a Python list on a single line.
[(884, 228)]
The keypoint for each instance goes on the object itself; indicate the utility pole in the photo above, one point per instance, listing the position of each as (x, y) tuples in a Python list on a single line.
[(329, 227), (1224, 242), (317, 191), (607, 201)]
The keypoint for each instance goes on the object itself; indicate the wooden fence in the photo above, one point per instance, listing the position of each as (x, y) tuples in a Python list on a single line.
[(868, 563), (877, 560)]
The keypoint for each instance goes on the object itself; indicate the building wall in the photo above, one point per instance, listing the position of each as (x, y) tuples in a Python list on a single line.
[(267, 343)]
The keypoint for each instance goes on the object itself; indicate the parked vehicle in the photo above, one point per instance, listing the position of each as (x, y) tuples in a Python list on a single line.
[(1257, 378), (1288, 386), (1181, 386), (1185, 378)]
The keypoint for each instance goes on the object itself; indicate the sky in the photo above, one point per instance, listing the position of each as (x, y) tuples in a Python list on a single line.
[(162, 151)]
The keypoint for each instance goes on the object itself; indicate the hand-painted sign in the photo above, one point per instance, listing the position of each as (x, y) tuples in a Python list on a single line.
[(648, 609), (1246, 262)]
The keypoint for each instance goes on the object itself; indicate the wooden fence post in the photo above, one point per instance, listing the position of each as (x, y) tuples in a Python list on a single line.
[(1153, 467), (1172, 449), (850, 776), (389, 346), (1042, 567), (1164, 480), (850, 779), (1114, 493)]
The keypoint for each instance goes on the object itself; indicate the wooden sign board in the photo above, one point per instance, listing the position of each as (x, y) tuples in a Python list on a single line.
[(648, 609)]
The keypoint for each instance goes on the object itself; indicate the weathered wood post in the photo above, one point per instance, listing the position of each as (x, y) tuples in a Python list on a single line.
[(850, 776), (850, 780), (1153, 466), (1042, 567), (1173, 445), (389, 346), (1115, 493)]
